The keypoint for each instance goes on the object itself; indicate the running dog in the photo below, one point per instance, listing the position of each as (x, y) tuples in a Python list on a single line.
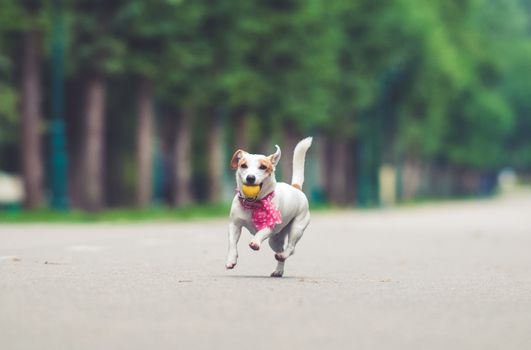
[(267, 209)]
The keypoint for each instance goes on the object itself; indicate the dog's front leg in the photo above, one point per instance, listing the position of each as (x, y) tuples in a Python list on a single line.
[(234, 236), (259, 237)]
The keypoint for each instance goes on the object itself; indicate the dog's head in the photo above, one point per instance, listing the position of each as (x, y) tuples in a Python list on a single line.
[(255, 170)]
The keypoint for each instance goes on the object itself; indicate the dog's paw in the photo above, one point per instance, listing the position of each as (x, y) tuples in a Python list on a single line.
[(230, 265), (277, 273), (254, 245), (280, 257)]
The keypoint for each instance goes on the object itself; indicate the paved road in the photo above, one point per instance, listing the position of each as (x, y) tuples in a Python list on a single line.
[(443, 276)]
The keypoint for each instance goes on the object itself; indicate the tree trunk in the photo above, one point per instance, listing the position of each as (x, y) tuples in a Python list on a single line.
[(266, 145), (93, 148), (183, 158), (338, 173), (240, 127), (324, 149), (145, 143), (215, 164), (351, 172), (286, 159), (410, 178), (32, 164)]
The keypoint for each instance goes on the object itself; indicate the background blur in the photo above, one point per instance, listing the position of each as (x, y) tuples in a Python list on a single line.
[(107, 104)]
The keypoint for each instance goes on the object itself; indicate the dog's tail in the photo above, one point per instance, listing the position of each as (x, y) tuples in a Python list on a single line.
[(298, 162)]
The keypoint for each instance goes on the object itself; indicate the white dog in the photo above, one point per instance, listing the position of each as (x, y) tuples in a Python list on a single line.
[(266, 208)]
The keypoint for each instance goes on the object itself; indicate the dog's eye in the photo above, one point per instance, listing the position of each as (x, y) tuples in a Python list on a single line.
[(244, 166), (263, 167)]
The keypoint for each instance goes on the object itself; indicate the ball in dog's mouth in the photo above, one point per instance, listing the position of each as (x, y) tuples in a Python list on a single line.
[(251, 191)]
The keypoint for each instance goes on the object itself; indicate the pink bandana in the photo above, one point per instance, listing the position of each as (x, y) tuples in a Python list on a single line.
[(265, 213)]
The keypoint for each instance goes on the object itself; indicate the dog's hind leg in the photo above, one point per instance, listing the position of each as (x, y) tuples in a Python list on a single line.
[(295, 233), (276, 243)]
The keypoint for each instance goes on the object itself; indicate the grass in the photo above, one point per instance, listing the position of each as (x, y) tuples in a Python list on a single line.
[(114, 215)]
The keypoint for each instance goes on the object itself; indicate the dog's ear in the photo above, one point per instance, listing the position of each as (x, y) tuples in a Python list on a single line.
[(275, 157), (236, 159)]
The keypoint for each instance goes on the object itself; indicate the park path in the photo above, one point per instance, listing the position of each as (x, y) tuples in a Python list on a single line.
[(439, 276)]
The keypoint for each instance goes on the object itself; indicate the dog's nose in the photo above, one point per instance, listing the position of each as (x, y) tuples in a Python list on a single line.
[(250, 179)]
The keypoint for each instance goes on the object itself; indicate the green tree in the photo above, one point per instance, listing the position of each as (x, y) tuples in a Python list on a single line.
[(96, 52), (26, 21)]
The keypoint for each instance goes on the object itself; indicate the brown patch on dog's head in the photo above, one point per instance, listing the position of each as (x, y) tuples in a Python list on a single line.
[(267, 163), (237, 157), (297, 186)]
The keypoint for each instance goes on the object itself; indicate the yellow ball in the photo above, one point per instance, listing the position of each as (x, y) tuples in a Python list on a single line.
[(250, 191)]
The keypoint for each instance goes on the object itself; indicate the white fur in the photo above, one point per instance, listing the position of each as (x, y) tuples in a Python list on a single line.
[(290, 201)]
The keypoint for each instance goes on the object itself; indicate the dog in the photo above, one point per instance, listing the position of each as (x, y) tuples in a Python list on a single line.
[(267, 209)]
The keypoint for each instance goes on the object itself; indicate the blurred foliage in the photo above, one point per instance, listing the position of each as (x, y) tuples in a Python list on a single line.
[(460, 68), (8, 120)]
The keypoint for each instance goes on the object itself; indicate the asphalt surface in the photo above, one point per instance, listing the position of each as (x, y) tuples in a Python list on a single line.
[(439, 276)]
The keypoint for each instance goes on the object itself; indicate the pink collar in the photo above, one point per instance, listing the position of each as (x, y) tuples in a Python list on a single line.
[(264, 212)]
